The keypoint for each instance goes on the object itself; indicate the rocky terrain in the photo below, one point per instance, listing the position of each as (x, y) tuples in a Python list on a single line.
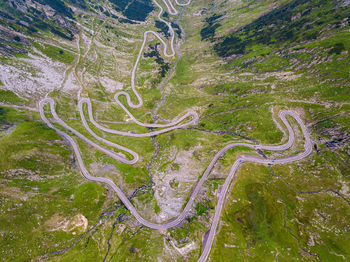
[(237, 64)]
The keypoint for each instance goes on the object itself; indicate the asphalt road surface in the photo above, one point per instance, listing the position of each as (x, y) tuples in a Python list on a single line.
[(175, 124), (241, 159)]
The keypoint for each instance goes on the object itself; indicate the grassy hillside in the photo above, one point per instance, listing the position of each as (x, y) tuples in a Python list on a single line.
[(238, 63)]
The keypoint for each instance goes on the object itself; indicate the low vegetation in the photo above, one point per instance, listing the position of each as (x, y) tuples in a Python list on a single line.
[(240, 64)]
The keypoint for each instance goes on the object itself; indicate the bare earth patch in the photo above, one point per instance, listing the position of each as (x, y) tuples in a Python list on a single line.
[(174, 184), (66, 224)]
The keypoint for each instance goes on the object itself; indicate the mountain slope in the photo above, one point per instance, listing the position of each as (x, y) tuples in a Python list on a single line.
[(237, 65)]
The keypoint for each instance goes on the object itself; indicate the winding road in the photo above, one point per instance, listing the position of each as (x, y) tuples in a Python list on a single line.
[(175, 124)]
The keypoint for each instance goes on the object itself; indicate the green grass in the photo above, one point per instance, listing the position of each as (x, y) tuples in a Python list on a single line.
[(227, 100), (7, 96), (10, 115), (259, 206), (183, 70), (156, 207), (42, 186), (201, 209), (55, 53)]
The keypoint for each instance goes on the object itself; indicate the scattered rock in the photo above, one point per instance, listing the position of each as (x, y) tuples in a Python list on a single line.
[(66, 224)]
